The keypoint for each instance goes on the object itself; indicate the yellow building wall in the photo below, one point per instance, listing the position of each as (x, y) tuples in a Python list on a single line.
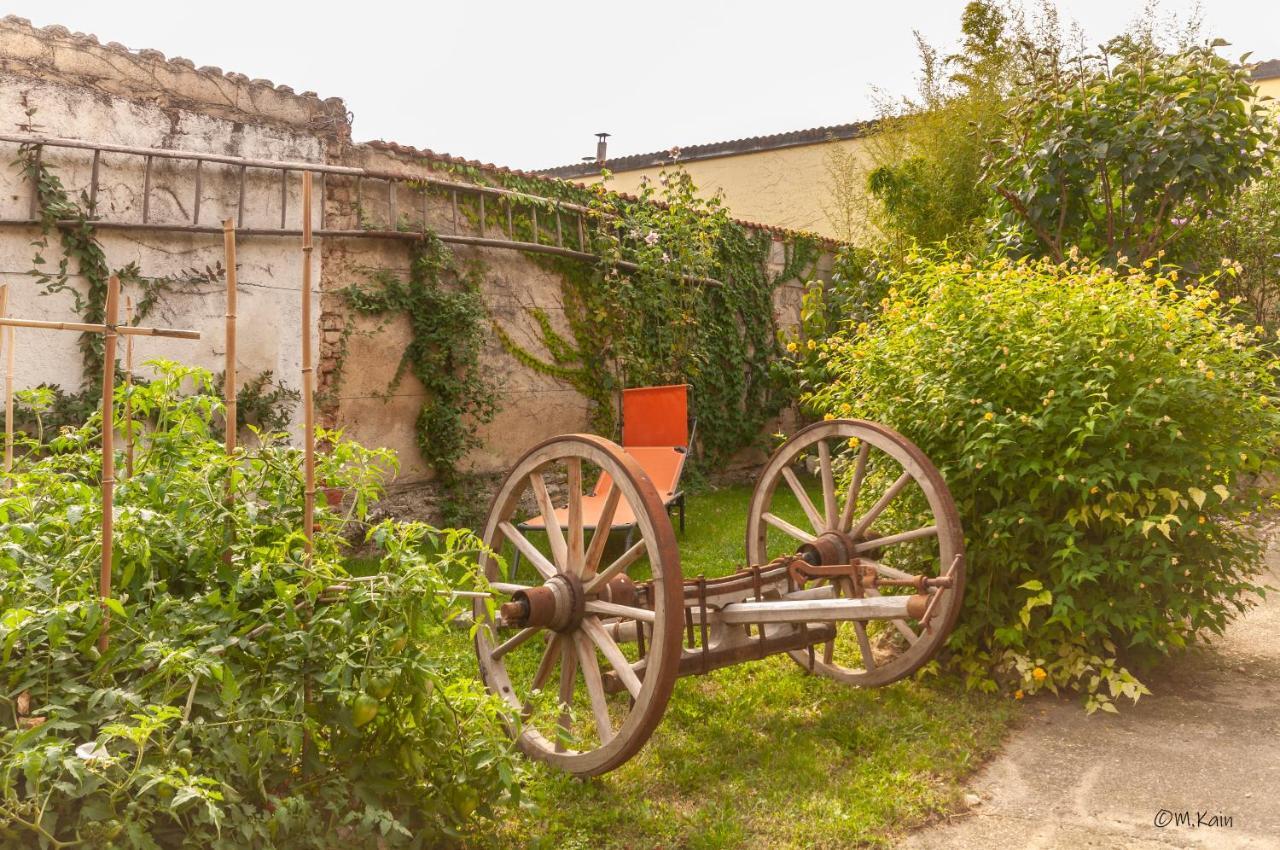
[(1269, 88), (788, 187)]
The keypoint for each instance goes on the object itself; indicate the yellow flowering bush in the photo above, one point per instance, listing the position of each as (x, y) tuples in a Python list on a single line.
[(1099, 430)]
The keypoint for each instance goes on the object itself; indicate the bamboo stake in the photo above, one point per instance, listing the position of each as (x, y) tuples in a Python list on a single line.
[(128, 392), (86, 327), (7, 336), (229, 384), (108, 448), (308, 389)]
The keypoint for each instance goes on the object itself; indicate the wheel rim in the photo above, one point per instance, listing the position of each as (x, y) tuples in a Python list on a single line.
[(600, 730), (881, 494)]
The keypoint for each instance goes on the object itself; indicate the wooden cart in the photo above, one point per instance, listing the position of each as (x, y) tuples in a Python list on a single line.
[(858, 578)]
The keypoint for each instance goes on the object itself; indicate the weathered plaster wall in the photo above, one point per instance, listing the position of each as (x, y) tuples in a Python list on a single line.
[(534, 405), (81, 89), (60, 84)]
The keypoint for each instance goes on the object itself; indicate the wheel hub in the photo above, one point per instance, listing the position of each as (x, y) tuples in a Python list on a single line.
[(558, 604)]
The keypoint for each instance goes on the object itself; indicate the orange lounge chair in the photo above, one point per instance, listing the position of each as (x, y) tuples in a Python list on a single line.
[(657, 432)]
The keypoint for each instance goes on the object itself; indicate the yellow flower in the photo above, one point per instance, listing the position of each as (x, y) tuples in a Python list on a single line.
[(1199, 519), (791, 346), (1038, 674), (1018, 694), (989, 416), (812, 345), (1209, 374)]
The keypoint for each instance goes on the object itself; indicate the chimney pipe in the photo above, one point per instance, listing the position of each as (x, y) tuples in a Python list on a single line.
[(602, 146)]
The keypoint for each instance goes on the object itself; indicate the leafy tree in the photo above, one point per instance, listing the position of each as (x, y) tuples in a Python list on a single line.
[(1118, 154), (921, 180), (1246, 243)]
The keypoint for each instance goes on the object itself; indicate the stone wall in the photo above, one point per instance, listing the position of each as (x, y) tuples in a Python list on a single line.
[(61, 84)]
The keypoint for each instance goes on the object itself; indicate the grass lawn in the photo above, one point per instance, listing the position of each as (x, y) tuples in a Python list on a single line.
[(763, 754)]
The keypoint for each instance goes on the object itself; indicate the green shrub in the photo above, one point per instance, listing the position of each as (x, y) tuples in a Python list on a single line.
[(267, 701), (1099, 430)]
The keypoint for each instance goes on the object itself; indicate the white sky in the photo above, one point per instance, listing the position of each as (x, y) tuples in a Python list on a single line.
[(527, 84)]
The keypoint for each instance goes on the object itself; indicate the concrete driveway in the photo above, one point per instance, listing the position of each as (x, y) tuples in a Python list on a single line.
[(1195, 765)]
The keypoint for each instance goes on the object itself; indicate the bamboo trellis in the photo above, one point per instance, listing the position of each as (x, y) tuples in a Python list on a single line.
[(308, 376), (110, 332), (6, 342)]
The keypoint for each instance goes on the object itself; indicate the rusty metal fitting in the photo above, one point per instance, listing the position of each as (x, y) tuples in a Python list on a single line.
[(920, 583), (854, 577), (831, 547), (620, 590), (559, 604)]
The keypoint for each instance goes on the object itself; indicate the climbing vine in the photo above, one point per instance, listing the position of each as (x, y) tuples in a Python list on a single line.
[(263, 399), (681, 294), (445, 312)]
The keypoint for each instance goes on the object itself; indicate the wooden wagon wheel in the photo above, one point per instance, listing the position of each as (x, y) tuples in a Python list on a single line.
[(892, 509), (584, 602)]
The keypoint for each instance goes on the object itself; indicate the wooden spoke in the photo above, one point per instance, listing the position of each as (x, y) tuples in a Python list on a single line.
[(891, 539), (595, 686), (802, 497), (508, 588), (855, 485), (828, 652), (568, 674), (613, 609), (787, 528), (889, 495), (549, 657), (514, 641), (907, 631), (901, 625), (539, 560), (574, 562), (625, 560), (828, 486), (888, 571), (621, 666), (864, 646), (559, 551), (600, 537)]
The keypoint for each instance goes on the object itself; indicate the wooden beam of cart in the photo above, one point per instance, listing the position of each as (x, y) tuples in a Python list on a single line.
[(86, 327)]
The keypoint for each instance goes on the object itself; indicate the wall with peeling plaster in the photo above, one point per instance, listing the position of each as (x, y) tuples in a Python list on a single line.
[(63, 84)]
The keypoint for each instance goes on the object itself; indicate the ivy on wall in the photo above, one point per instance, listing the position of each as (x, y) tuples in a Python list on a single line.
[(262, 400), (446, 316), (692, 304)]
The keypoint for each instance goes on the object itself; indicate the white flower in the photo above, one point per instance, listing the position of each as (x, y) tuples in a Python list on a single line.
[(651, 238), (92, 751), (665, 257)]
